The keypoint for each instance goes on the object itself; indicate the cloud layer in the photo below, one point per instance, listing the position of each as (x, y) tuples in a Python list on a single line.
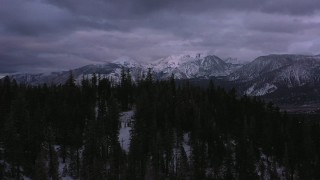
[(48, 35)]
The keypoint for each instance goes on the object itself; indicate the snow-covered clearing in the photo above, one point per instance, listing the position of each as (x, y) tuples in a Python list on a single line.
[(124, 133)]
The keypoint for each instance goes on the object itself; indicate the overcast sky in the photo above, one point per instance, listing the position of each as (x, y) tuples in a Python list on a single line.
[(49, 35)]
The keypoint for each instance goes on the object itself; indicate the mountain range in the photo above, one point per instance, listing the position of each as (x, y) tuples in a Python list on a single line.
[(182, 66), (264, 76)]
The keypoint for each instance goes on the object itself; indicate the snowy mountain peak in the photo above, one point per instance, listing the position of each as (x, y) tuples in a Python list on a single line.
[(192, 65), (126, 62), (176, 61), (172, 61)]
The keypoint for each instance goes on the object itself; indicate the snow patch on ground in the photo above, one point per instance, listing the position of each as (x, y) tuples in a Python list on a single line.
[(186, 145), (124, 133)]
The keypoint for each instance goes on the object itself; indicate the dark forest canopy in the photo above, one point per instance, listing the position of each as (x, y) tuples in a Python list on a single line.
[(229, 137)]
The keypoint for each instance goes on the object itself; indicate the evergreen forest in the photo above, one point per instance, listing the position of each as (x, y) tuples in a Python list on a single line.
[(177, 131)]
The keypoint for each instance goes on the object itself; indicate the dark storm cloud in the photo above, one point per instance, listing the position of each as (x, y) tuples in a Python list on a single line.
[(45, 35)]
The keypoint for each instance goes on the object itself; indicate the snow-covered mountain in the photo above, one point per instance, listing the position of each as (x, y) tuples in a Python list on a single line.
[(193, 66), (268, 73), (182, 66)]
